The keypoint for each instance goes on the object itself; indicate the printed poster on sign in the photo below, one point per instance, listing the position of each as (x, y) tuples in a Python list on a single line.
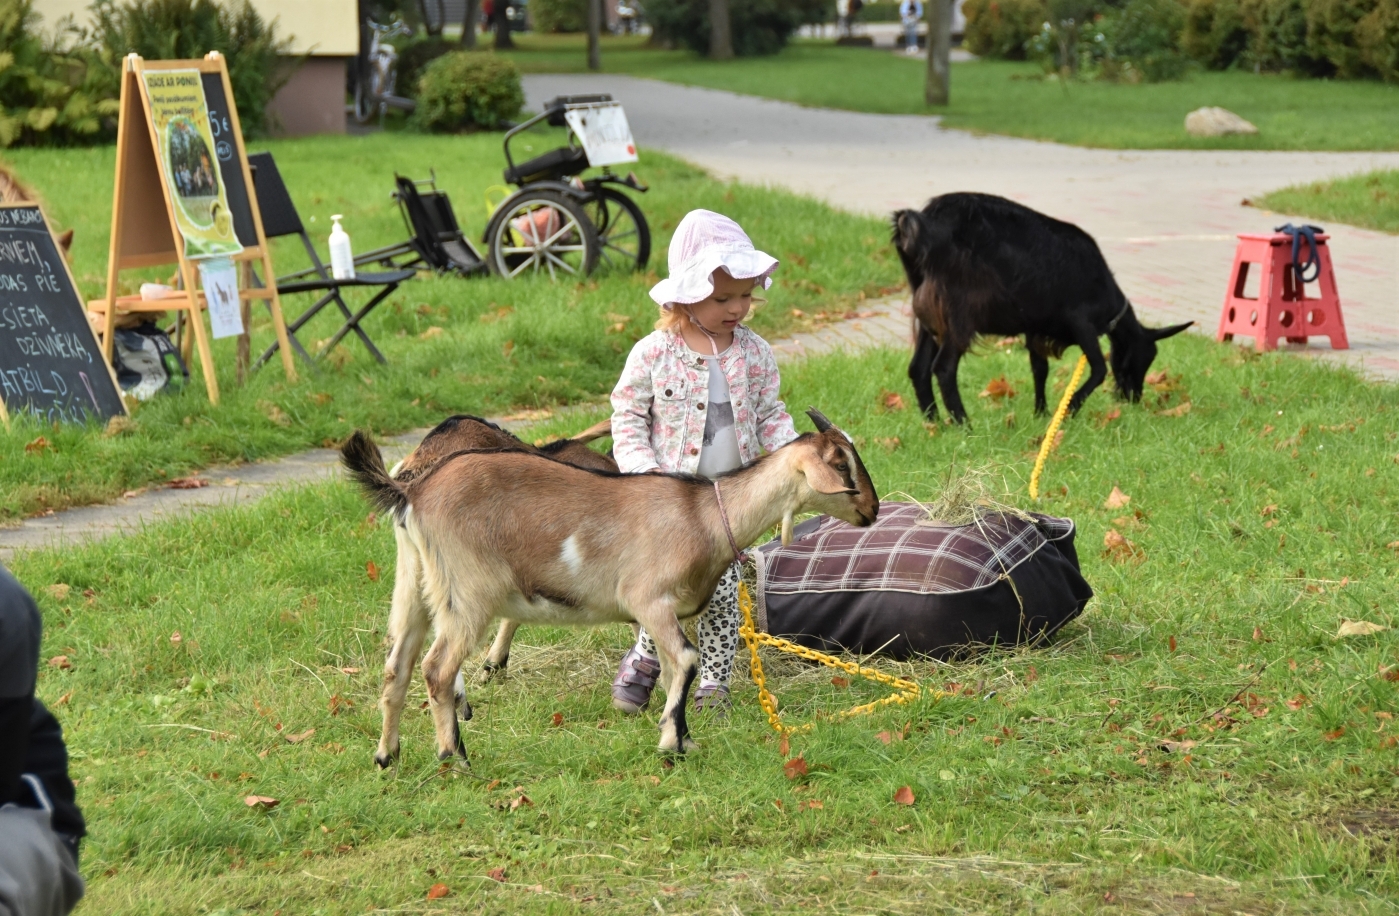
[(220, 281), (186, 148), (604, 132)]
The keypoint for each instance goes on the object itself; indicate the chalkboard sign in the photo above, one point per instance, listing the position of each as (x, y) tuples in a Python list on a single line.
[(51, 366), (230, 166)]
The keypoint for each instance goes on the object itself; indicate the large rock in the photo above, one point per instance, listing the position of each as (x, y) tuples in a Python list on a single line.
[(1216, 122)]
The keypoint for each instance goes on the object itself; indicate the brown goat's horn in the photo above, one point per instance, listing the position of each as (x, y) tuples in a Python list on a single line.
[(817, 417)]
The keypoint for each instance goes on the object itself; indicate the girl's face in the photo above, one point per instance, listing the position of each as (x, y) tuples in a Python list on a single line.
[(730, 303)]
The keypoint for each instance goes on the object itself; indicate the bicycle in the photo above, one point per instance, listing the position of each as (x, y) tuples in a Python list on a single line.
[(377, 71), (559, 223)]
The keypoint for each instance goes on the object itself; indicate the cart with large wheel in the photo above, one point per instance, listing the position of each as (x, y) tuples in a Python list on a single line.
[(559, 223)]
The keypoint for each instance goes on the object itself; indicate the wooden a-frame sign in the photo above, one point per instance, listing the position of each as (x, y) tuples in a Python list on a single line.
[(145, 232)]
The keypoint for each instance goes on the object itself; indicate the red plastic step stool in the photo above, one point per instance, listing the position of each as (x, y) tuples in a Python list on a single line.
[(1282, 308)]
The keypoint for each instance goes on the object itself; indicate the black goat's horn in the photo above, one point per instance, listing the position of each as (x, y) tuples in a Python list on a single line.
[(817, 417)]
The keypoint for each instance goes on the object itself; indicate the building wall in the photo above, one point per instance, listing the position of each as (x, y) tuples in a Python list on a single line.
[(312, 101)]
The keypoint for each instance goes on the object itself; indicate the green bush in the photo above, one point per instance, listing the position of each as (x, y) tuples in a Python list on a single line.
[(879, 11), (558, 15), (1278, 37), (413, 58), (1143, 42), (1003, 28), (467, 90), (758, 26), (1331, 27), (1215, 34), (48, 94), (1377, 36), (186, 29)]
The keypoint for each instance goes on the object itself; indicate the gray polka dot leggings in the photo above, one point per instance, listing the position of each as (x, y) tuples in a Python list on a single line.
[(717, 629)]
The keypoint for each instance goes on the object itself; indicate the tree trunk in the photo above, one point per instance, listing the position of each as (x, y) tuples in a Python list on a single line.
[(503, 41), (937, 89), (468, 24), (433, 16), (721, 44), (594, 34)]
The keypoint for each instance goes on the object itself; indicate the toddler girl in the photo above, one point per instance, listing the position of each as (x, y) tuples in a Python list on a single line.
[(699, 396)]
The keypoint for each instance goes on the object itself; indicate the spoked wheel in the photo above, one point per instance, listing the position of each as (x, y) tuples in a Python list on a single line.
[(622, 231), (364, 104), (541, 232)]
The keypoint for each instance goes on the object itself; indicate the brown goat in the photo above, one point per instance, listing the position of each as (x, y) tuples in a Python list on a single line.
[(531, 539), (408, 615)]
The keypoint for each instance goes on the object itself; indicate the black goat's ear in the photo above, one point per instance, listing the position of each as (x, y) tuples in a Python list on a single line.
[(1172, 331), (817, 417), (907, 224)]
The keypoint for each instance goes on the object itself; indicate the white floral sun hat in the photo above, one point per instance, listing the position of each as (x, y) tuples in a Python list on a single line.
[(703, 242)]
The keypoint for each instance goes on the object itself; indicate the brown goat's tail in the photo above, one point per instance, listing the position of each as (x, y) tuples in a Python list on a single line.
[(365, 463), (596, 431)]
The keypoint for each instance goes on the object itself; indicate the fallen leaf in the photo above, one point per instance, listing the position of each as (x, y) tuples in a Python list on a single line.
[(1171, 642), (1176, 747), (349, 671), (372, 569), (297, 739), (885, 737), (1359, 628), (1116, 499), (1178, 411), (507, 348), (519, 801), (497, 874), (795, 768), (903, 795), (1297, 702), (1116, 546), (36, 446), (262, 802), (429, 334), (60, 661), (1031, 675), (783, 746), (891, 400), (63, 700), (176, 638), (1390, 674), (1111, 415), (839, 681), (1155, 378), (889, 444), (1258, 635), (187, 483), (1268, 510), (557, 719), (337, 703), (1334, 733), (59, 590), (438, 891), (998, 389), (811, 803)]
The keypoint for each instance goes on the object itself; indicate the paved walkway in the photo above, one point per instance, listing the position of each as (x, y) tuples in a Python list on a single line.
[(880, 322), (1166, 219)]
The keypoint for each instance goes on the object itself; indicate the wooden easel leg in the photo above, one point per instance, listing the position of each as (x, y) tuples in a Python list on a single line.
[(245, 340), (279, 321), (201, 336)]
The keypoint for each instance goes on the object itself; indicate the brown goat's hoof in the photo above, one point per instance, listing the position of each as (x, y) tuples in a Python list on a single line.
[(464, 712), (385, 761)]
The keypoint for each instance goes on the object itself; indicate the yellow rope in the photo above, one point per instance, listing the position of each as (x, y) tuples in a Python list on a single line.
[(1062, 411), (907, 690)]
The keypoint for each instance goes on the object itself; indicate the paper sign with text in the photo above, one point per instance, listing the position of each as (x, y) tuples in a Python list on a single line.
[(604, 132), (219, 278)]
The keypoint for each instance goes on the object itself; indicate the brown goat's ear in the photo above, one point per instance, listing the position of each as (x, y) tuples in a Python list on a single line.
[(823, 478)]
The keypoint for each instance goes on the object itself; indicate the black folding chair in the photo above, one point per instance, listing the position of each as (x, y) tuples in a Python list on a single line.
[(437, 241), (279, 218)]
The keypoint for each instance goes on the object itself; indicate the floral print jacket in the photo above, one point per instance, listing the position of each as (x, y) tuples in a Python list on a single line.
[(659, 402)]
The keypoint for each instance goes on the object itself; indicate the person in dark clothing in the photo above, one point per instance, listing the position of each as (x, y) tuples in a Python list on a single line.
[(40, 824)]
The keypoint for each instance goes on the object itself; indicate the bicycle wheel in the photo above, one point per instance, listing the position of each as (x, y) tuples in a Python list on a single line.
[(364, 105), (539, 232), (622, 231)]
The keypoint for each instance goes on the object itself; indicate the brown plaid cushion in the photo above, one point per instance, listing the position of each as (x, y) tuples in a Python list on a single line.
[(902, 552)]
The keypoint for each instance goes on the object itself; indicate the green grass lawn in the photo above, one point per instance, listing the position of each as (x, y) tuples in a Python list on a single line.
[(1044, 785), (480, 346), (1370, 200), (1012, 98)]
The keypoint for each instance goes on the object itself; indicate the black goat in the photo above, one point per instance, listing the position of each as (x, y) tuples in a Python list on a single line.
[(980, 264)]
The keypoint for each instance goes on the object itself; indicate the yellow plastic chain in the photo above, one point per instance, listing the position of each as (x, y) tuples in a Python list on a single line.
[(907, 690), (1059, 414)]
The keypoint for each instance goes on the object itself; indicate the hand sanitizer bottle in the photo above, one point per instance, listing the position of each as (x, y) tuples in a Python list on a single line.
[(342, 259)]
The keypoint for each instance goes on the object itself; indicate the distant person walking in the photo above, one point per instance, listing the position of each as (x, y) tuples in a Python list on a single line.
[(910, 12)]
